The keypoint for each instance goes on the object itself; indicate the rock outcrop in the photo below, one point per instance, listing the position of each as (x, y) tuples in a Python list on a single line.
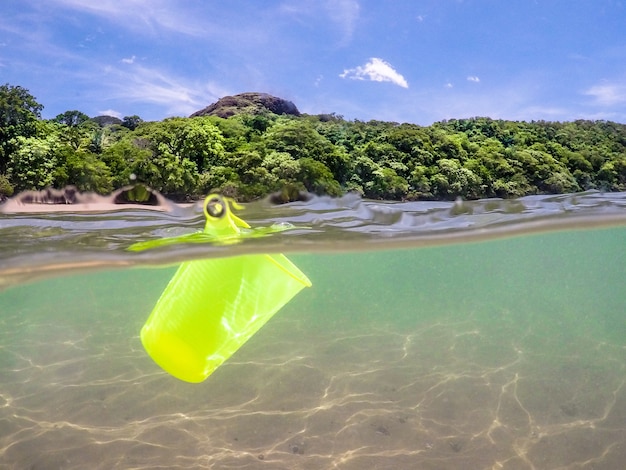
[(104, 121), (248, 103)]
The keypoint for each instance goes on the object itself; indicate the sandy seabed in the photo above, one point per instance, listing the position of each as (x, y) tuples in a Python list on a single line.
[(300, 395)]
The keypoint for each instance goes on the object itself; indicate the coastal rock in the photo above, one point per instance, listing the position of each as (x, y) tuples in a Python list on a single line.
[(106, 120), (249, 103)]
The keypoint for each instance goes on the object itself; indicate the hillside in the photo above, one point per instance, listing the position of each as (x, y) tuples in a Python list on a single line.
[(248, 103), (253, 144)]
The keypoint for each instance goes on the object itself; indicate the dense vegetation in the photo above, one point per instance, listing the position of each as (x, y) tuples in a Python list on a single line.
[(250, 155)]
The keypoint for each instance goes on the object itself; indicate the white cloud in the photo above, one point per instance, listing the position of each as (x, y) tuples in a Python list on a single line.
[(608, 94), (376, 70), (521, 98), (129, 60), (473, 78), (150, 85), (155, 86), (449, 85), (343, 14), (140, 14)]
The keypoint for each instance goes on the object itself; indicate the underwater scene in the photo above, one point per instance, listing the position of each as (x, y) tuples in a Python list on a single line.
[(434, 335)]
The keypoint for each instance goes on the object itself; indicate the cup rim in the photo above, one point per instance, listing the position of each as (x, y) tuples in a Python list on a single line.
[(285, 264)]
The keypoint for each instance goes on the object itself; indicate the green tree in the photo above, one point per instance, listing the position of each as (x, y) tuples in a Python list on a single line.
[(419, 184), (194, 139), (201, 142), (538, 167), (131, 122), (453, 180), (122, 158), (413, 142), (34, 163), (19, 113), (298, 138), (87, 134), (84, 170), (282, 165), (236, 135), (317, 178), (450, 146), (223, 179), (388, 185), (167, 173), (71, 118), (612, 175), (6, 188)]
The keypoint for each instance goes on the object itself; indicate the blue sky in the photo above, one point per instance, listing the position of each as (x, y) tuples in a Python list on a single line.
[(416, 61)]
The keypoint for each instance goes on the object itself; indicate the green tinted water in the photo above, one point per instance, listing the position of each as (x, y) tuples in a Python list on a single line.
[(503, 354)]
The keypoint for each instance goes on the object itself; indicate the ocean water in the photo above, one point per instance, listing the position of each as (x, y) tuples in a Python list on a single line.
[(482, 335)]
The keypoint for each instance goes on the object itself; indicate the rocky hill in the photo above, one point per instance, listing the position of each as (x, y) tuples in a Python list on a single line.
[(249, 103)]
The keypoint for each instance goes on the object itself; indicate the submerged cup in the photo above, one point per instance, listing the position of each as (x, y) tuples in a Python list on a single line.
[(212, 307)]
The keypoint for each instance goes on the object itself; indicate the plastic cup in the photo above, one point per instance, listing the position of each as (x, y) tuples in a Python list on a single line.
[(210, 308)]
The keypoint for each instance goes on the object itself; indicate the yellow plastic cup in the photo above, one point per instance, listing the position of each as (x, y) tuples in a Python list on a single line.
[(210, 308)]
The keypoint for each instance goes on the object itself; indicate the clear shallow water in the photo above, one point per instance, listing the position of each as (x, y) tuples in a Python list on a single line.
[(501, 353)]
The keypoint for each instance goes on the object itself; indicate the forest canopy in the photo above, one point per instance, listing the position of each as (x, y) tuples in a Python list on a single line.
[(253, 153)]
